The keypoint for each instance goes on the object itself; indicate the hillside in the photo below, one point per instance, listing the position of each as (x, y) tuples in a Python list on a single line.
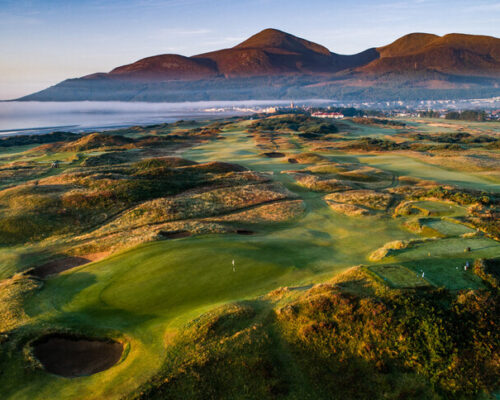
[(272, 52), (275, 64), (166, 66), (451, 54)]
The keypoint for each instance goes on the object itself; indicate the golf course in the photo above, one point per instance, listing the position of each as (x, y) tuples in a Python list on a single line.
[(268, 256)]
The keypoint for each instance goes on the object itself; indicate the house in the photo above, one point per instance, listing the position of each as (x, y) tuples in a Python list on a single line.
[(334, 115)]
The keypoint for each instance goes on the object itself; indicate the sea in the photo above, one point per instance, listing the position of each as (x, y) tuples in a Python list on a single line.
[(85, 116)]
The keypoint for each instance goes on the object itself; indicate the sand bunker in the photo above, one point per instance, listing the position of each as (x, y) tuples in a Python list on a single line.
[(72, 357), (245, 232), (273, 154), (58, 266), (65, 263), (174, 234)]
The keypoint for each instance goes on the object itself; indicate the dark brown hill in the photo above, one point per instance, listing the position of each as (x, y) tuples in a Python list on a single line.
[(273, 52), (455, 54), (273, 38), (167, 66), (268, 53)]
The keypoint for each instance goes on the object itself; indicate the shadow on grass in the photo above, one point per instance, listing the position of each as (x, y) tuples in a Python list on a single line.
[(60, 303)]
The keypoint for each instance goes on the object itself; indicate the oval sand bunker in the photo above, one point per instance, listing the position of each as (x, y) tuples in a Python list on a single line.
[(71, 357)]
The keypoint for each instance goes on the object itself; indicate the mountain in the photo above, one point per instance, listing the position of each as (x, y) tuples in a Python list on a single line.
[(272, 52), (275, 64), (450, 54), (268, 53), (167, 66)]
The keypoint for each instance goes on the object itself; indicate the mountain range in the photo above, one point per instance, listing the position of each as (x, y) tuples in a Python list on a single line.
[(275, 64)]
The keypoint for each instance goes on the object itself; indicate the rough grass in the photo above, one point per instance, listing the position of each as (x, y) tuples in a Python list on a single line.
[(366, 198), (281, 211), (308, 158), (393, 247), (320, 183), (73, 202), (198, 205), (13, 294), (347, 209)]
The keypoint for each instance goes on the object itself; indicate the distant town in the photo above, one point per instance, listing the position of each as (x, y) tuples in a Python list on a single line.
[(472, 109)]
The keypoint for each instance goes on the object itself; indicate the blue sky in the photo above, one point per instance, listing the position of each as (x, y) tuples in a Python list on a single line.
[(44, 42)]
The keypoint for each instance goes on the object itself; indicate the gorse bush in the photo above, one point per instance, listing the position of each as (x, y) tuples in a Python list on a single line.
[(449, 340), (378, 121), (38, 139), (300, 122)]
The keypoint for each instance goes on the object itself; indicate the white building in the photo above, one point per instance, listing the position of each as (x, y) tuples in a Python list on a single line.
[(333, 115)]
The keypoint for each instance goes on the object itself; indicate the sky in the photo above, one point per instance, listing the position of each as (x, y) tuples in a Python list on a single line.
[(43, 42)]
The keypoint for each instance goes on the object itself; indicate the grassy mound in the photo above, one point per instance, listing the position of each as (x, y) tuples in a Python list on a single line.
[(388, 249), (347, 209), (280, 211), (23, 140), (295, 123), (111, 158), (365, 174), (97, 141), (76, 201), (13, 293), (328, 168), (308, 158), (198, 205), (366, 198), (20, 172), (320, 183)]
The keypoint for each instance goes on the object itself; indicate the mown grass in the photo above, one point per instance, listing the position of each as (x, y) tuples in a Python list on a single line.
[(448, 228), (398, 276)]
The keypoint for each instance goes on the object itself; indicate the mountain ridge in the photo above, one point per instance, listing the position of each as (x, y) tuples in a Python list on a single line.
[(416, 60)]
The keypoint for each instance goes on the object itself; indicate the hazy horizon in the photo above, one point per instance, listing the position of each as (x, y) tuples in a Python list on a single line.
[(44, 44), (44, 117)]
